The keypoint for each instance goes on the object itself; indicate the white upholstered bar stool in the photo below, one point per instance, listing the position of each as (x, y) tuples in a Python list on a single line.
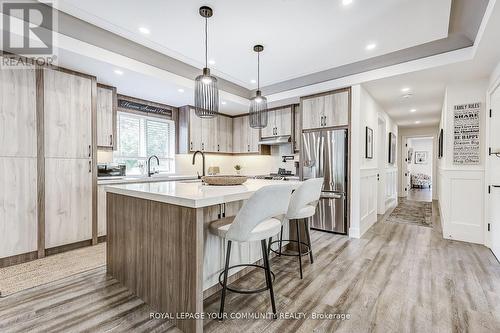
[(260, 218), (302, 206)]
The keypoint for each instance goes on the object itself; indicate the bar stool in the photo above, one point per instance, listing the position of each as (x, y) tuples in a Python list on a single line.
[(260, 217), (302, 206)]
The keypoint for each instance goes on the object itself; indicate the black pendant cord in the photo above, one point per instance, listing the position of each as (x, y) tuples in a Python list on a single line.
[(258, 70), (206, 42)]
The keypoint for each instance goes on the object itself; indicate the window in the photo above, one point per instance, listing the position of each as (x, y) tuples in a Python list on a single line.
[(140, 137)]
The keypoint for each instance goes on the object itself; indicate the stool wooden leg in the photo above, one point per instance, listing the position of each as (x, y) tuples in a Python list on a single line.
[(269, 280), (299, 247), (306, 223), (224, 285)]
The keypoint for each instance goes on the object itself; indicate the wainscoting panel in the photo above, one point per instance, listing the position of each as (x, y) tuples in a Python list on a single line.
[(461, 202), (391, 187), (368, 204)]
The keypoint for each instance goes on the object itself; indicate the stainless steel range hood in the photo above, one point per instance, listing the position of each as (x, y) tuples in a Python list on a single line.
[(276, 140)]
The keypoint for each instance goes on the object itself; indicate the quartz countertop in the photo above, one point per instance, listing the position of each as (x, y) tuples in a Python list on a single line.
[(143, 179), (192, 193)]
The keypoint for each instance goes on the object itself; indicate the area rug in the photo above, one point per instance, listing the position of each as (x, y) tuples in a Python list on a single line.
[(412, 212), (31, 274)]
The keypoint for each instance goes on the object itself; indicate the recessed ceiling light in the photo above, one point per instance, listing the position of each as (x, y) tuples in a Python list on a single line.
[(211, 62), (180, 90), (413, 110), (406, 89), (144, 30), (118, 72), (346, 2), (253, 81), (223, 103), (371, 46), (417, 122)]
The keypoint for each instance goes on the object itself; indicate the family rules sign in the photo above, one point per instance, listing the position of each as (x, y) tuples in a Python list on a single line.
[(466, 145)]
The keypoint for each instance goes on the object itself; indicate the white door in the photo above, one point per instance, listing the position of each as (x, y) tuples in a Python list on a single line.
[(494, 174)]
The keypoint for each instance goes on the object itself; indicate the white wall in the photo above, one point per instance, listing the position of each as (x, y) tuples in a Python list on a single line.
[(461, 189), (366, 112)]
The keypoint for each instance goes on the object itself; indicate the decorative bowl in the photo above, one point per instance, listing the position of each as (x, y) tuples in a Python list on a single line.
[(224, 180)]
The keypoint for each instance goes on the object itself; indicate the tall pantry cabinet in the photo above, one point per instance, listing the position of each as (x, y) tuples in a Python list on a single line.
[(68, 157), (18, 162), (48, 192)]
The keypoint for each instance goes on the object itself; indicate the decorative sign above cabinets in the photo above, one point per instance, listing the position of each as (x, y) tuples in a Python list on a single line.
[(142, 107), (466, 144)]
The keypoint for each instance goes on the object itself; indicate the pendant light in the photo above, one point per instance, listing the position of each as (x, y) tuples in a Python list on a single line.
[(206, 93), (258, 104)]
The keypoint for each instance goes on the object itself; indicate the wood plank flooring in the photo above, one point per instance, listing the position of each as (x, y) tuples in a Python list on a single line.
[(397, 278)]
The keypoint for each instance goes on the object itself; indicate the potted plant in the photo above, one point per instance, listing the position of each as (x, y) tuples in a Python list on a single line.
[(238, 168)]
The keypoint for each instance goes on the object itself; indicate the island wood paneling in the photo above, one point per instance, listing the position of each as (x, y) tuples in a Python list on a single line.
[(156, 251)]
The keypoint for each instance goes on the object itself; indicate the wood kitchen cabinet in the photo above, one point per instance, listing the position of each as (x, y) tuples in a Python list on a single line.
[(326, 110), (69, 156), (18, 112), (106, 116), (101, 211), (68, 116), (68, 201), (279, 123), (245, 139), (18, 162), (297, 132), (213, 135)]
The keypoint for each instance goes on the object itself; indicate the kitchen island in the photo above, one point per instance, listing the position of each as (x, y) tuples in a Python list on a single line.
[(160, 248)]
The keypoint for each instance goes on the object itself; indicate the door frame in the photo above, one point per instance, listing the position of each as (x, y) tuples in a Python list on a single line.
[(381, 163), (488, 169), (404, 165)]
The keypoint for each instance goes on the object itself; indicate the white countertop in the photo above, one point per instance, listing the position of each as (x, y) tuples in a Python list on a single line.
[(192, 193), (143, 179)]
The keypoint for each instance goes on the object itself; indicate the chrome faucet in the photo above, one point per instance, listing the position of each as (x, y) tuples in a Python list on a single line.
[(149, 164), (203, 159)]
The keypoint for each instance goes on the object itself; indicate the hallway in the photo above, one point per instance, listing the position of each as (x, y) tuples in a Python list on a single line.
[(417, 194)]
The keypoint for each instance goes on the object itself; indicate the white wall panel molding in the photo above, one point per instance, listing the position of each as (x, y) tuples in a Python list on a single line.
[(368, 202), (461, 196)]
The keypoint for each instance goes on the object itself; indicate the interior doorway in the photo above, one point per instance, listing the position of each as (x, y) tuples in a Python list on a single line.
[(418, 167)]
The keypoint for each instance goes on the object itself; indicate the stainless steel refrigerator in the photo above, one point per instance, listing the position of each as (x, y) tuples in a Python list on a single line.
[(325, 155)]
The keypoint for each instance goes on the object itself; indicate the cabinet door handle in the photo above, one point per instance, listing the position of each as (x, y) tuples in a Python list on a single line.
[(90, 150), (90, 166), (202, 146), (111, 139), (218, 147), (191, 145), (248, 148)]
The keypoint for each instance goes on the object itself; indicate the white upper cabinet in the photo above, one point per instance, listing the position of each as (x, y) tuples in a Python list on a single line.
[(106, 117), (67, 110), (17, 112), (326, 111)]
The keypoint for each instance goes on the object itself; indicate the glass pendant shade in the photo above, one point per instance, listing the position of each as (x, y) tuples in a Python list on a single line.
[(258, 111), (206, 92), (206, 95), (258, 104)]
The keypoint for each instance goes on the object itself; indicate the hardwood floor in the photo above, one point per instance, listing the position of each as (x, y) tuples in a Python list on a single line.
[(397, 278), (417, 194)]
